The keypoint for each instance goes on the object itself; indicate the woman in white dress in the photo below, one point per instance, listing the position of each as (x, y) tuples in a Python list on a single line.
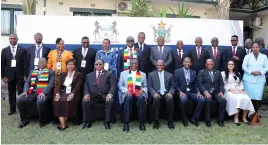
[(236, 97)]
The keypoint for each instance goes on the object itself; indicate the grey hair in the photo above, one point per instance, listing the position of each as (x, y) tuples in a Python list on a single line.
[(208, 60), (38, 33), (15, 35), (200, 38), (248, 40), (179, 41)]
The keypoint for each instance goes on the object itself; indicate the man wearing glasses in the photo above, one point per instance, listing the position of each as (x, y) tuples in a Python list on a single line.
[(216, 54)]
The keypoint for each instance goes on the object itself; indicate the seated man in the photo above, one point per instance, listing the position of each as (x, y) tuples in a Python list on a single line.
[(133, 88), (186, 85), (37, 87), (161, 86), (99, 88), (211, 85)]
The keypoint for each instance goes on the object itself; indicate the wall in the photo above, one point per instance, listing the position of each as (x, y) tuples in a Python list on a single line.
[(262, 32)]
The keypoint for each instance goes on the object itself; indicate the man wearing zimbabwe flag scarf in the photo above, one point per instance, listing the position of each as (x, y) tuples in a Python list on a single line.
[(133, 88), (35, 94)]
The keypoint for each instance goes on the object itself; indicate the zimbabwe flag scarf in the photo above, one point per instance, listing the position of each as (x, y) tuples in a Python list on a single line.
[(137, 83), (127, 57), (42, 81)]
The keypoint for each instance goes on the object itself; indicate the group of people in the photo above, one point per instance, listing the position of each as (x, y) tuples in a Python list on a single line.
[(69, 84)]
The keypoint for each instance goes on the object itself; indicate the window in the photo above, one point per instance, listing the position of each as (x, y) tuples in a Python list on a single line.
[(9, 20)]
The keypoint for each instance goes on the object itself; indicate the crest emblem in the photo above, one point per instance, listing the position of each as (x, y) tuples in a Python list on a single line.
[(105, 32), (162, 31)]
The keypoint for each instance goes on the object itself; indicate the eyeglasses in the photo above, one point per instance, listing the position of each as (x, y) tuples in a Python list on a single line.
[(233, 40), (98, 64), (85, 42)]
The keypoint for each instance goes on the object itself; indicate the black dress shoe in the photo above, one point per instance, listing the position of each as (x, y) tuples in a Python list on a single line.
[(107, 125), (87, 125), (126, 127), (185, 122), (221, 123), (171, 126), (156, 125), (208, 124), (42, 124), (194, 122), (62, 129), (142, 127), (10, 113), (23, 124)]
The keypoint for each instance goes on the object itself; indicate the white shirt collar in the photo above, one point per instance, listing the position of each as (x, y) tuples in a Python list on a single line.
[(16, 46), (133, 71), (199, 47), (36, 45), (179, 50), (213, 47), (131, 47)]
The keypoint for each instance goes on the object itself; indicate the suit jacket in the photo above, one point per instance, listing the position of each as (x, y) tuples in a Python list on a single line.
[(107, 84), (240, 52), (181, 84), (123, 85), (144, 58), (31, 52), (47, 90), (198, 63), (154, 82), (177, 63), (21, 69), (218, 62), (166, 57), (264, 51), (90, 59), (205, 83)]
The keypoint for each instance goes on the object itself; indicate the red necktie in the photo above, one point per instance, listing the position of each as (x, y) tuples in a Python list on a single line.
[(179, 54), (233, 50), (215, 52), (98, 78), (198, 52)]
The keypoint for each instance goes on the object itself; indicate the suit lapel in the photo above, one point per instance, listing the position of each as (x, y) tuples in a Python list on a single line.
[(191, 76), (195, 53), (183, 75), (157, 79), (18, 51), (210, 52), (165, 79)]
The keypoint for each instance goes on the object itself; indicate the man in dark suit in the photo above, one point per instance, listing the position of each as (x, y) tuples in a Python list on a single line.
[(34, 96), (216, 54), (178, 56), (14, 69), (198, 55), (99, 88), (211, 85), (248, 46), (162, 87), (187, 88), (144, 54), (37, 51), (260, 41), (161, 52), (85, 57), (236, 53)]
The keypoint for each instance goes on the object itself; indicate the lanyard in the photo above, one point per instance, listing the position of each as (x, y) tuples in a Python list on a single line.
[(59, 56)]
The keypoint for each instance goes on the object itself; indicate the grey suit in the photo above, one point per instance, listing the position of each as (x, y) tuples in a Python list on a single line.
[(27, 105), (166, 56), (154, 88)]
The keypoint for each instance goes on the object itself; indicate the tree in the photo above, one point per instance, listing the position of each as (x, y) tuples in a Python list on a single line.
[(29, 7), (223, 8), (140, 8), (183, 11)]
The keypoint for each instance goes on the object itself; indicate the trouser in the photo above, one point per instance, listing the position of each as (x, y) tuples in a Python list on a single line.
[(221, 109), (256, 105), (169, 103), (140, 102), (199, 105), (12, 85)]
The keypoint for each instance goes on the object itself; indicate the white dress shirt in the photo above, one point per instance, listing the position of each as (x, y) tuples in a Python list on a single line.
[(36, 50), (197, 49), (15, 49), (133, 73), (97, 73), (162, 49), (68, 80), (179, 52), (84, 51)]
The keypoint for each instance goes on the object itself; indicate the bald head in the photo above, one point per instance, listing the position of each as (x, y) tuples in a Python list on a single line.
[(161, 41), (130, 41), (13, 39), (180, 44), (209, 64), (160, 64), (198, 41), (248, 43), (214, 42), (42, 63)]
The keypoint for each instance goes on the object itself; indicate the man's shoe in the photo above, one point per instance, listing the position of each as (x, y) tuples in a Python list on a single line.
[(156, 125), (11, 112), (171, 125), (42, 124), (142, 127), (126, 127), (87, 125), (194, 122), (107, 125), (23, 124), (208, 124), (220, 123), (185, 122)]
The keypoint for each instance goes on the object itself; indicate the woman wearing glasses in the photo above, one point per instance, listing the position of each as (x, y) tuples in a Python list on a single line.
[(236, 97)]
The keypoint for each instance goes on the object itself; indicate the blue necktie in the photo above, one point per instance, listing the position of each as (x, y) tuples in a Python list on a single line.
[(38, 51), (162, 84)]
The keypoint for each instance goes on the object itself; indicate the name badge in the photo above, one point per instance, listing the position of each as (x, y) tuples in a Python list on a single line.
[(83, 63), (106, 66), (13, 63), (36, 61), (58, 65), (68, 90), (187, 89)]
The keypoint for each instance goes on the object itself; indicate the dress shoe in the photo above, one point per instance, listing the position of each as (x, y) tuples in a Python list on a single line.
[(107, 125), (142, 127), (126, 127), (185, 122), (10, 113), (156, 125), (62, 129), (194, 122), (87, 125), (220, 123), (208, 124), (23, 124), (170, 125), (42, 124)]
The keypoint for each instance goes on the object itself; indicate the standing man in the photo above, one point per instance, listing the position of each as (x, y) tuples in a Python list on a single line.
[(260, 41), (162, 87), (216, 54), (248, 46), (178, 56), (236, 53), (198, 55), (37, 51), (125, 55), (161, 52), (211, 85), (99, 87), (144, 54), (14, 69), (133, 88), (187, 88)]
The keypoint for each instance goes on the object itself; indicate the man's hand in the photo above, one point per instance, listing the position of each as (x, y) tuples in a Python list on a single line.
[(140, 93), (5, 79), (128, 93), (199, 95), (156, 95), (23, 94), (108, 98), (182, 94), (24, 78), (70, 97), (207, 94), (57, 98), (221, 95), (169, 95), (235, 58), (42, 95), (86, 98)]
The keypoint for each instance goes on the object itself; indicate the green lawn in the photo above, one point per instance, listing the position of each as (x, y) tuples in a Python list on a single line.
[(10, 133)]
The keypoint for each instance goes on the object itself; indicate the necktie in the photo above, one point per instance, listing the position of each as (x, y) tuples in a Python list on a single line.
[(198, 52), (215, 53), (140, 47), (233, 50), (211, 76), (162, 84), (13, 51), (98, 78), (131, 54), (248, 51), (187, 77), (179, 54), (38, 51)]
